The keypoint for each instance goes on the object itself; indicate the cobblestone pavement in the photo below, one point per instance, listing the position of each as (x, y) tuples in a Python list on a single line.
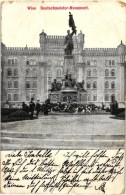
[(64, 132)]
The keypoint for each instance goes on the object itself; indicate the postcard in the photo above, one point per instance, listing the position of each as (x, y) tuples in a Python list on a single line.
[(63, 94)]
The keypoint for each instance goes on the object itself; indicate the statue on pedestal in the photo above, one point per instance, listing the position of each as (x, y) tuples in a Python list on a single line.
[(68, 38), (56, 86)]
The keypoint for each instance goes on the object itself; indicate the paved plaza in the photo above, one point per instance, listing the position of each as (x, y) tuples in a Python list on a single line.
[(64, 132)]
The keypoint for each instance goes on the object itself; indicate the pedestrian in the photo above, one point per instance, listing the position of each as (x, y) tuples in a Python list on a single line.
[(45, 109), (32, 107), (25, 107), (37, 107), (7, 104)]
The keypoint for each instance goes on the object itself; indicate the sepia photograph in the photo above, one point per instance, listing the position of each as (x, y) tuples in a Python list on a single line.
[(63, 79), (63, 93)]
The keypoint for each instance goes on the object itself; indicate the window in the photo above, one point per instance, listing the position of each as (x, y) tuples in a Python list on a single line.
[(95, 62), (9, 97), (92, 63), (113, 85), (95, 98), (49, 62), (49, 74), (88, 62), (89, 97), (9, 72), (34, 84), (34, 62), (95, 84), (88, 84), (49, 85), (106, 97), (106, 62), (27, 98), (106, 85), (58, 72), (109, 62), (31, 62), (9, 84), (61, 62), (106, 72), (15, 72), (88, 72), (112, 72), (27, 84), (94, 72), (34, 73), (15, 97), (15, 84), (12, 61), (113, 62), (34, 96), (9, 61), (112, 97), (27, 72), (27, 62), (16, 61)]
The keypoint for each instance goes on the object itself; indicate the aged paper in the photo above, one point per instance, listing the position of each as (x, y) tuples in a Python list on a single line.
[(59, 171), (75, 142)]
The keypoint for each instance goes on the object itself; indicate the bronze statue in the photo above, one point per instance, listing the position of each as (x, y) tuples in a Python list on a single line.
[(68, 38), (71, 23)]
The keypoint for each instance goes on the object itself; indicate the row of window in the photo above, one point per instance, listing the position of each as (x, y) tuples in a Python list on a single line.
[(28, 97), (34, 84), (34, 62), (15, 61), (109, 72), (109, 98), (12, 62), (11, 72), (58, 73), (31, 62), (92, 98), (31, 73), (108, 85), (109, 62), (106, 97), (31, 84), (91, 62), (15, 97), (91, 73), (59, 62), (12, 84), (94, 85)]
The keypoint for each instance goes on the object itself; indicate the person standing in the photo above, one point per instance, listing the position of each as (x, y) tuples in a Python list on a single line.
[(37, 107), (32, 107)]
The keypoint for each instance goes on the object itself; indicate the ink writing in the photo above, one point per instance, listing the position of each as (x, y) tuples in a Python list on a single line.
[(64, 171)]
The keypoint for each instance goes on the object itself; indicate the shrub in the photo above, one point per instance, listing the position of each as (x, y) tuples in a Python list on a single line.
[(8, 111), (121, 114), (19, 113)]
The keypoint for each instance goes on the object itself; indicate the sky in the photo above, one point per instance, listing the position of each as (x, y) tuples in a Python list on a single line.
[(103, 23)]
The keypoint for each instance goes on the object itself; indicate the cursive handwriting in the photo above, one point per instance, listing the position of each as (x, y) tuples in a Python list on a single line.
[(62, 171)]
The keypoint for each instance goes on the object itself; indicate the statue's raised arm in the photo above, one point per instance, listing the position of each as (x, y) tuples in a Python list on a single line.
[(72, 23), (68, 38)]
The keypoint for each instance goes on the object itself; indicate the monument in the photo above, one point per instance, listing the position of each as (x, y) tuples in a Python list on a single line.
[(69, 90)]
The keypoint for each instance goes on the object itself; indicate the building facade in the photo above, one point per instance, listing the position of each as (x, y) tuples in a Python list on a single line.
[(29, 72)]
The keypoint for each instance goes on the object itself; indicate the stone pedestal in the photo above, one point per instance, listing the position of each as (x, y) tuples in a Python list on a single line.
[(55, 96), (69, 65)]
